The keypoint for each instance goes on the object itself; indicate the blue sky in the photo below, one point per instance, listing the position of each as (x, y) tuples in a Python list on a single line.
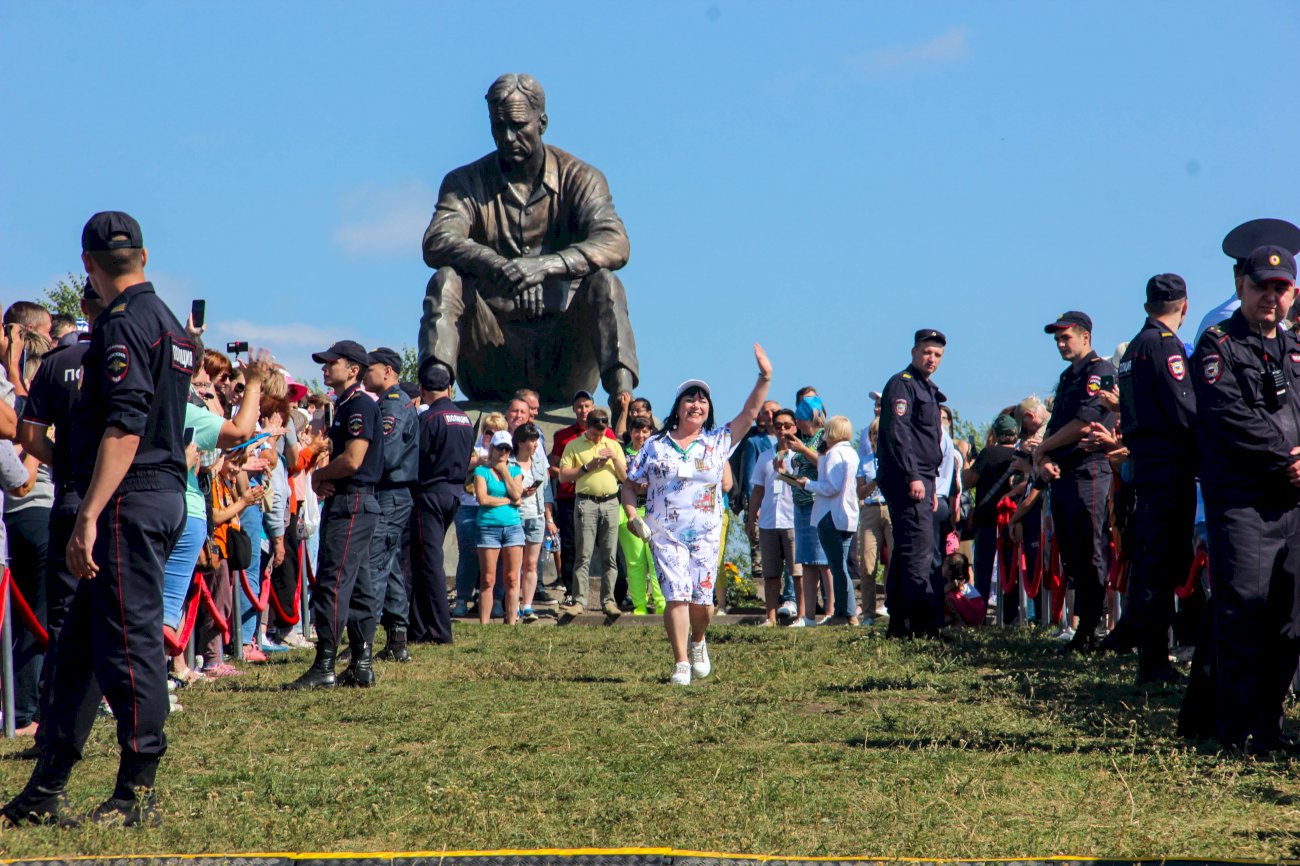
[(822, 177)]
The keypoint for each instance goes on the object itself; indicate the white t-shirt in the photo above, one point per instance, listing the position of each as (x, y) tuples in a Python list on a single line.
[(777, 508)]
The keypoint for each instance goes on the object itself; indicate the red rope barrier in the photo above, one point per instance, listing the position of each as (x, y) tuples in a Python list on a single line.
[(259, 604), (25, 613), (281, 614), (176, 643), (1031, 589), (210, 605), (1200, 562)]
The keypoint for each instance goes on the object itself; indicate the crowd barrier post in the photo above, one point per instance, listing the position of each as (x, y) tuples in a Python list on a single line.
[(304, 593), (7, 658), (236, 617)]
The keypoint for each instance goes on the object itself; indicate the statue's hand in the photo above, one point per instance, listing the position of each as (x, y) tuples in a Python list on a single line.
[(530, 302), (523, 273)]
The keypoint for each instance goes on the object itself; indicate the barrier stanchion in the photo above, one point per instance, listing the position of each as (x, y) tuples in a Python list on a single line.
[(304, 589), (236, 618), (7, 654)]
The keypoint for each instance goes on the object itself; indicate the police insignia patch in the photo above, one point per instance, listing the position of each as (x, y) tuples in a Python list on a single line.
[(1094, 384), (1295, 357), (117, 362), (356, 424), (389, 423), (900, 408), (1212, 368), (1177, 368)]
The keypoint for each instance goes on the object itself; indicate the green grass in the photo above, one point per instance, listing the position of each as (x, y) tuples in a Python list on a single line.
[(821, 742)]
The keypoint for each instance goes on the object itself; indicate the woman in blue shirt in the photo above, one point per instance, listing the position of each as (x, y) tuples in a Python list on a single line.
[(498, 487)]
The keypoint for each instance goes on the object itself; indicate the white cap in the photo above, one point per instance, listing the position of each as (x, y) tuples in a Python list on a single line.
[(503, 437), (874, 395), (694, 383)]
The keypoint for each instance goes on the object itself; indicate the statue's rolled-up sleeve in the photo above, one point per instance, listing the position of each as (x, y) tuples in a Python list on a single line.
[(603, 239), (447, 239)]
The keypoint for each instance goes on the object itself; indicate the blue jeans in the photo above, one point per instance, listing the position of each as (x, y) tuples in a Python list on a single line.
[(179, 571), (836, 543), (251, 522), (467, 562)]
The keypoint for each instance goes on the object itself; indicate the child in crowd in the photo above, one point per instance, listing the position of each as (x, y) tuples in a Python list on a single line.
[(964, 604)]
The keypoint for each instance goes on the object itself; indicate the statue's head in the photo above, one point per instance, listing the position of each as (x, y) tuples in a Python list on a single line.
[(517, 109)]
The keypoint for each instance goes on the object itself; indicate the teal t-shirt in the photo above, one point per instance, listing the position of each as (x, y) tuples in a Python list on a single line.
[(497, 515), (207, 427)]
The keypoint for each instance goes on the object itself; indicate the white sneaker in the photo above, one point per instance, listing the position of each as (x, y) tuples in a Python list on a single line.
[(681, 674), (1066, 634), (808, 622), (798, 623), (699, 653), (787, 611)]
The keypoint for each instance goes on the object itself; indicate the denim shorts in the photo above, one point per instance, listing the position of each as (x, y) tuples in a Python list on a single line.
[(534, 530), (807, 544), (501, 536)]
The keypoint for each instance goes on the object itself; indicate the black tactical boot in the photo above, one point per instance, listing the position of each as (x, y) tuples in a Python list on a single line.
[(134, 802), (44, 800), (395, 648), (321, 673), (361, 671)]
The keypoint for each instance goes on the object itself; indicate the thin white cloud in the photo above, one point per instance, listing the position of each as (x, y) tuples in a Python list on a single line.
[(948, 47), (384, 220)]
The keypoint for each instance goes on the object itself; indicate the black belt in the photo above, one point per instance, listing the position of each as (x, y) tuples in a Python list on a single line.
[(591, 498), (360, 489)]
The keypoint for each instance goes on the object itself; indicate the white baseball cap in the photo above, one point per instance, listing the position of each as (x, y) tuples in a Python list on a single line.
[(694, 383)]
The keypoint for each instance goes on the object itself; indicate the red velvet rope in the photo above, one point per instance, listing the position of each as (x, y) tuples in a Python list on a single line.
[(1117, 578), (25, 612), (1031, 589), (286, 617), (259, 604), (174, 642), (1200, 562), (210, 605)]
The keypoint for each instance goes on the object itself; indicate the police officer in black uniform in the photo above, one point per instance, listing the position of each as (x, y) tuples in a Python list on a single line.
[(1080, 479), (909, 455), (128, 463), (348, 519), (401, 454), (1245, 372), (1157, 418), (446, 442), (56, 386)]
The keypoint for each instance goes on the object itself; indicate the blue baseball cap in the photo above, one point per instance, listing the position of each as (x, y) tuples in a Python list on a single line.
[(808, 408)]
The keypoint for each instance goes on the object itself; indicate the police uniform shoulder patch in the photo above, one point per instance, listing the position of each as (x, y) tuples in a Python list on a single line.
[(1177, 367), (117, 308), (907, 375), (389, 423), (1094, 384), (356, 423), (1295, 357), (1212, 368), (900, 408), (117, 362)]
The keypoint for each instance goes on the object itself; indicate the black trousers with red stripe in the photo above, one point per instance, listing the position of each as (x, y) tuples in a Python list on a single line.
[(430, 613), (112, 637), (1080, 520), (348, 522)]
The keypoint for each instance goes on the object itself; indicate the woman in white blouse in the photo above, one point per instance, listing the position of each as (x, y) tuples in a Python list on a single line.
[(835, 511)]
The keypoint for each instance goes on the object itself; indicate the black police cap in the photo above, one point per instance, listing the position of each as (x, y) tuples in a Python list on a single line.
[(349, 349), (1250, 236), (1069, 319), (1165, 287), (410, 389), (101, 229), (385, 355), (1270, 263), (434, 375), (929, 335)]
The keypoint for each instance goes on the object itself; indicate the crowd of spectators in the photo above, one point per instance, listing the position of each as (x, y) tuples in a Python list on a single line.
[(538, 519)]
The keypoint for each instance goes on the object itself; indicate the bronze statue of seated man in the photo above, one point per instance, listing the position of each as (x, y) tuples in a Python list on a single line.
[(524, 243)]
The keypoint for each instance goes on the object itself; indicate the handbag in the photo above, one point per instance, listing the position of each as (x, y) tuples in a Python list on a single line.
[(239, 549), (209, 557)]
